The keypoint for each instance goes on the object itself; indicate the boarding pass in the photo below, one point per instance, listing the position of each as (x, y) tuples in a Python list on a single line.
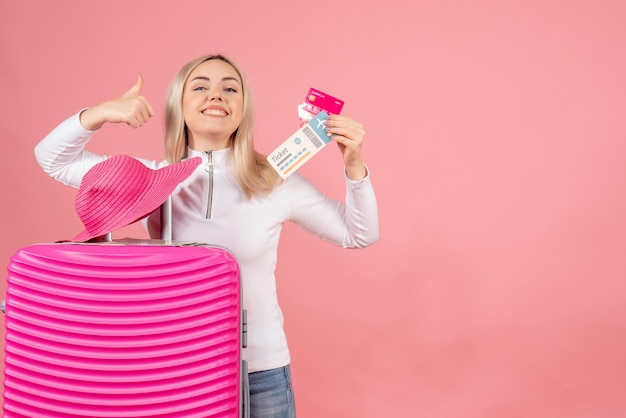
[(301, 146)]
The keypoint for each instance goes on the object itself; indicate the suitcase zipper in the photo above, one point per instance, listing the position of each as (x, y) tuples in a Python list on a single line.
[(209, 169)]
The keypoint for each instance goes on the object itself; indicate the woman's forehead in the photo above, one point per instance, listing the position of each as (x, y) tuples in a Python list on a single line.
[(215, 70)]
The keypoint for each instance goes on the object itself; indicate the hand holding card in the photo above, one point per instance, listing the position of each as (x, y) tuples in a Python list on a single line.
[(310, 138)]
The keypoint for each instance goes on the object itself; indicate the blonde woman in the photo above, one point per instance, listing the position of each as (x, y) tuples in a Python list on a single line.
[(234, 198)]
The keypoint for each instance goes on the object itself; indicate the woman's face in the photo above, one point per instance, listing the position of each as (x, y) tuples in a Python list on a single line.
[(212, 105)]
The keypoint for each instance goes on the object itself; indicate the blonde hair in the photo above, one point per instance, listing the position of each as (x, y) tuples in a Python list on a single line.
[(254, 173)]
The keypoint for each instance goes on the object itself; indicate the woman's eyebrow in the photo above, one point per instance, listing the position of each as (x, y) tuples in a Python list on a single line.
[(231, 78), (200, 77)]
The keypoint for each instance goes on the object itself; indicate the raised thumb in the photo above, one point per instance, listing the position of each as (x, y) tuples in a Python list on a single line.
[(136, 89)]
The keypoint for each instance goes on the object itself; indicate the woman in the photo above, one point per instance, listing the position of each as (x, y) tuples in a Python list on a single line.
[(234, 199)]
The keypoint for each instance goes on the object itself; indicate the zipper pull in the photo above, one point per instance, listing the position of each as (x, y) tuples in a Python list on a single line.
[(208, 167)]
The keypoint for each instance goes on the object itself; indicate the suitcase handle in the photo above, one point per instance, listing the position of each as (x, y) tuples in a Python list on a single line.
[(166, 220)]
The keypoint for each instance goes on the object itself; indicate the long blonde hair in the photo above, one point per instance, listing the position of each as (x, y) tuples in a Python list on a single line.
[(256, 176)]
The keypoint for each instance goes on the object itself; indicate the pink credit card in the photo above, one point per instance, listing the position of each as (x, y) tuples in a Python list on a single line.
[(317, 101)]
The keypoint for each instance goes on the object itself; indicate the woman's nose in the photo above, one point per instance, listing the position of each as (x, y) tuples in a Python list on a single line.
[(215, 94)]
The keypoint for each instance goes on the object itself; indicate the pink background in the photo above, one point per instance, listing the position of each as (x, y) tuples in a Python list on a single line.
[(497, 147)]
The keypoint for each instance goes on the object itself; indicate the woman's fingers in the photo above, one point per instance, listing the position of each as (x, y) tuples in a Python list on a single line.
[(346, 127), (131, 107)]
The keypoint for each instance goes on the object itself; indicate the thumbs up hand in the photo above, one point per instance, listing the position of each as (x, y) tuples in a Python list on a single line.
[(130, 108)]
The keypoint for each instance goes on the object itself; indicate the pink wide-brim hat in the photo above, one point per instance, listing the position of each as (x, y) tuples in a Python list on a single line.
[(122, 190)]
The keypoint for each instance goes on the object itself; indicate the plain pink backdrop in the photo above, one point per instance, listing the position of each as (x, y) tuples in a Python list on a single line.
[(497, 146)]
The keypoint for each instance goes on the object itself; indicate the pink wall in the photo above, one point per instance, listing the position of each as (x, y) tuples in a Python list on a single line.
[(497, 146)]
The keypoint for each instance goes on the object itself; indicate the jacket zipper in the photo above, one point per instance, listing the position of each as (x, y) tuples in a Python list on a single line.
[(208, 167)]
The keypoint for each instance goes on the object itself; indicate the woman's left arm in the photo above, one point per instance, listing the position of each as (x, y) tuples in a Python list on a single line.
[(353, 223)]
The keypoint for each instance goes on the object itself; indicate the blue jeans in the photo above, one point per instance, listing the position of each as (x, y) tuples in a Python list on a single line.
[(271, 394)]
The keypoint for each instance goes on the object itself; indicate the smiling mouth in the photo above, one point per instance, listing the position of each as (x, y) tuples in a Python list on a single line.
[(214, 112)]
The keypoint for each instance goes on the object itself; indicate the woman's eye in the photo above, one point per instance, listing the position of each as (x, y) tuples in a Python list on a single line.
[(230, 90), (199, 88)]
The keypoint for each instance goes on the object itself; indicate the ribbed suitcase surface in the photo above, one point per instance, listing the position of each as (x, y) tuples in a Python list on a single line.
[(122, 331)]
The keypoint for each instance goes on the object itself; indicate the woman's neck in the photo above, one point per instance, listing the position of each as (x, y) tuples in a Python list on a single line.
[(208, 143)]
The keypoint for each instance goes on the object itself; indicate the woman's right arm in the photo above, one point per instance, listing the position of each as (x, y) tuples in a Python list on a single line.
[(61, 153)]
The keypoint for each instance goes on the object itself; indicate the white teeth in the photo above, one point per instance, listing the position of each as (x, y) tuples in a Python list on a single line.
[(214, 112)]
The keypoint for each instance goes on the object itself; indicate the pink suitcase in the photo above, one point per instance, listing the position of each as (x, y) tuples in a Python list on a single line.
[(124, 329)]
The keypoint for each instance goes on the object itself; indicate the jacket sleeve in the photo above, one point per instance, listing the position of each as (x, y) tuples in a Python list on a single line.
[(61, 153), (352, 224)]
